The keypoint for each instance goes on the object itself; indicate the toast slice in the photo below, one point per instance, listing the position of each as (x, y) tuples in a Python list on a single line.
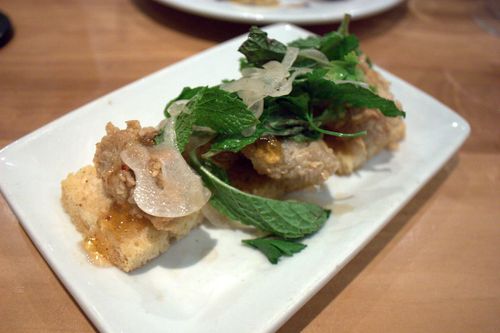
[(126, 241)]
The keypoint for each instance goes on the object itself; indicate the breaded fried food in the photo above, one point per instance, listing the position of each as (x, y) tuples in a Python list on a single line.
[(382, 132), (299, 113), (99, 200), (118, 179), (295, 165), (125, 240)]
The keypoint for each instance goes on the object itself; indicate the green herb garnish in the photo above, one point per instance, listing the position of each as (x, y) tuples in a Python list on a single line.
[(287, 219), (259, 49), (331, 83), (335, 45), (214, 108), (274, 248)]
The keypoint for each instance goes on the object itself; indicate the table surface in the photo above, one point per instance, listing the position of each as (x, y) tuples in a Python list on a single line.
[(434, 268)]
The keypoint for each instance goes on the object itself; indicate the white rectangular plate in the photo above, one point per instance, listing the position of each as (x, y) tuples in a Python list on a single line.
[(210, 282)]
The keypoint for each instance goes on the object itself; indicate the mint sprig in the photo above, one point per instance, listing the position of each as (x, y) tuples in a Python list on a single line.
[(259, 49), (287, 219), (219, 110), (274, 248)]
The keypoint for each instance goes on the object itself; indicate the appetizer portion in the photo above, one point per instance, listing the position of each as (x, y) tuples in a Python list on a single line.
[(299, 113), (112, 233), (135, 200)]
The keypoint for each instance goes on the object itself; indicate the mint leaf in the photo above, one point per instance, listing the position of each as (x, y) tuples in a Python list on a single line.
[(286, 117), (338, 134), (233, 142), (183, 129), (322, 90), (311, 42), (287, 219), (217, 171), (220, 110), (345, 69), (213, 107), (259, 49), (335, 45), (274, 248)]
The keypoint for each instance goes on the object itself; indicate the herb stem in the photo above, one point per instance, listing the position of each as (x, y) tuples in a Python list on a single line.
[(344, 25), (333, 133)]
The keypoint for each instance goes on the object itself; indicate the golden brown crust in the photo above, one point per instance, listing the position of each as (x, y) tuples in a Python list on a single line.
[(243, 176), (99, 200), (382, 132), (117, 177), (295, 165), (125, 240), (84, 199)]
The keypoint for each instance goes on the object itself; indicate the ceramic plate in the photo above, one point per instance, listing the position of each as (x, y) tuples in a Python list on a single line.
[(209, 281), (293, 11)]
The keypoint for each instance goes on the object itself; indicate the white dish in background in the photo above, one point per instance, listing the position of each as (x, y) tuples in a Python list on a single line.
[(292, 11), (209, 281)]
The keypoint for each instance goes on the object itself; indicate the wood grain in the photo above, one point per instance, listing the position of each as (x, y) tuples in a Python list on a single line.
[(434, 268)]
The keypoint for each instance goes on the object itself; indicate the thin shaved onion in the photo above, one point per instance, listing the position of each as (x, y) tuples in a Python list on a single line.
[(257, 108), (287, 87), (167, 124), (315, 55), (273, 79), (166, 186), (290, 57), (356, 83), (303, 70), (178, 107), (177, 191), (249, 71)]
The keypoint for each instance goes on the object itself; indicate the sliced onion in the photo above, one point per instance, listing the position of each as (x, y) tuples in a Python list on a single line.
[(315, 55), (290, 57), (257, 108), (303, 70), (178, 107), (273, 79), (356, 83), (249, 71), (168, 124), (175, 190), (286, 88)]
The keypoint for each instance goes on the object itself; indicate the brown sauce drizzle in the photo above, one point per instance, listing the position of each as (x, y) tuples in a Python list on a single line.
[(93, 255), (118, 224), (268, 149)]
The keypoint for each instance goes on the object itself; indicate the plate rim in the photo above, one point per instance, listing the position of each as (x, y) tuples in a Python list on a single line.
[(259, 18)]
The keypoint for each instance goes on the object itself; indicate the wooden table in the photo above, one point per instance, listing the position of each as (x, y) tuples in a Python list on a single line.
[(434, 268)]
